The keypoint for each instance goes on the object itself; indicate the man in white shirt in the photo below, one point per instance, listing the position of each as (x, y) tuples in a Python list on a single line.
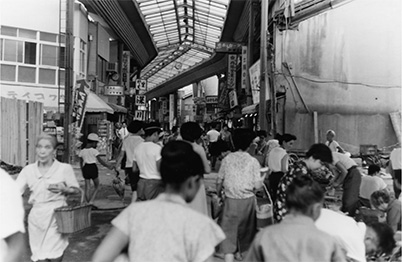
[(146, 158), (370, 183), (135, 129), (214, 150), (349, 176), (332, 144), (123, 132)]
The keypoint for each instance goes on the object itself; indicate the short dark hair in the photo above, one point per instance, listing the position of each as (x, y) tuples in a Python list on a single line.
[(379, 197), (179, 162), (242, 138), (174, 129), (135, 126), (190, 131), (303, 192), (151, 128), (385, 236), (321, 152), (373, 169), (285, 138), (261, 133)]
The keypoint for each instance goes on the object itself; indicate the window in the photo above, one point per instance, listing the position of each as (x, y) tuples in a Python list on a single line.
[(26, 74), (47, 76), (48, 37), (62, 77), (101, 69), (10, 50), (49, 55), (7, 72), (30, 53), (27, 33), (62, 57), (5, 30), (82, 57)]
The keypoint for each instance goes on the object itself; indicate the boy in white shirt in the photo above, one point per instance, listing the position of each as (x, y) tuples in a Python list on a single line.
[(166, 229), (146, 159)]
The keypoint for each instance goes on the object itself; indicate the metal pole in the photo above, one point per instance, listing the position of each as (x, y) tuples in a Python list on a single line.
[(250, 51), (68, 99), (263, 66), (272, 83)]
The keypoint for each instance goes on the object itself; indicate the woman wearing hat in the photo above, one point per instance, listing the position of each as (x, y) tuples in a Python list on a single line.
[(88, 157)]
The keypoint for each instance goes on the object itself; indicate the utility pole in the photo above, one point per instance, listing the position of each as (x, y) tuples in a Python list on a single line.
[(250, 52), (263, 66), (68, 93)]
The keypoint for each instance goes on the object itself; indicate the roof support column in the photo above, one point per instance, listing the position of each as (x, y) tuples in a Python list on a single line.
[(250, 52), (264, 94)]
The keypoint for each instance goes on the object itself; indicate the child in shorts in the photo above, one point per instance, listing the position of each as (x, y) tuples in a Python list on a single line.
[(88, 157)]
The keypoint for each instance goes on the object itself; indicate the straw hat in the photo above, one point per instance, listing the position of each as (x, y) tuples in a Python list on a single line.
[(93, 137)]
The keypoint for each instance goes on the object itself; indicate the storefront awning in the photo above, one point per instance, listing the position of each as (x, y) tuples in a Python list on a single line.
[(251, 109), (95, 104), (117, 108)]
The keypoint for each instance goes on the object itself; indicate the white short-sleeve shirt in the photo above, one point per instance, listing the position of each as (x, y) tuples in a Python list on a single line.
[(396, 158), (343, 159), (166, 229), (275, 159), (12, 211), (146, 154), (371, 184), (333, 145), (129, 145), (89, 155), (213, 135)]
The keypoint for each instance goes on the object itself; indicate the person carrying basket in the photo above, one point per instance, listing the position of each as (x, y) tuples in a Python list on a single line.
[(49, 182)]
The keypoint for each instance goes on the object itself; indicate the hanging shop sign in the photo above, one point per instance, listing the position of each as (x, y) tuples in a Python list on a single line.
[(114, 91), (244, 72), (233, 99), (227, 47), (141, 84), (231, 76), (139, 115), (164, 106), (140, 100), (78, 110), (171, 110), (211, 99), (125, 70), (255, 77), (223, 99)]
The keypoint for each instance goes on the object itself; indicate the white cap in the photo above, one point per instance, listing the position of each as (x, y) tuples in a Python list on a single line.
[(93, 137)]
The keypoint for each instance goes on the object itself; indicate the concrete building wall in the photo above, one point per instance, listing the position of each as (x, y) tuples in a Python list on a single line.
[(347, 65)]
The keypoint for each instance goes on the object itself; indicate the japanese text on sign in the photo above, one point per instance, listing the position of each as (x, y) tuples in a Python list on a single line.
[(141, 84), (231, 77), (211, 99), (140, 100), (139, 115), (244, 67), (232, 98), (227, 47), (125, 70)]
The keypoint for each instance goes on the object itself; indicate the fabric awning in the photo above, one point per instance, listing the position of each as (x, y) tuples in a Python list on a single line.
[(251, 109), (95, 104), (117, 108)]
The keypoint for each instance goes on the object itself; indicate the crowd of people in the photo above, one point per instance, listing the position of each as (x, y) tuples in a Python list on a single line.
[(168, 219)]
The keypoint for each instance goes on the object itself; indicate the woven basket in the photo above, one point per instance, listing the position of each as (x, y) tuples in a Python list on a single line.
[(73, 219), (264, 208)]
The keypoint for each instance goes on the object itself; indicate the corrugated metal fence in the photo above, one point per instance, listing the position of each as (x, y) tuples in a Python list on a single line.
[(21, 123)]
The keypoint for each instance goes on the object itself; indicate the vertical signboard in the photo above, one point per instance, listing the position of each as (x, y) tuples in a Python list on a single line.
[(141, 85), (231, 76), (171, 111), (255, 76), (125, 70), (140, 100), (244, 72), (80, 99), (233, 99)]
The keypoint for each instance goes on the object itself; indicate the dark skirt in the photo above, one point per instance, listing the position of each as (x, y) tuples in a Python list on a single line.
[(238, 222), (90, 171)]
